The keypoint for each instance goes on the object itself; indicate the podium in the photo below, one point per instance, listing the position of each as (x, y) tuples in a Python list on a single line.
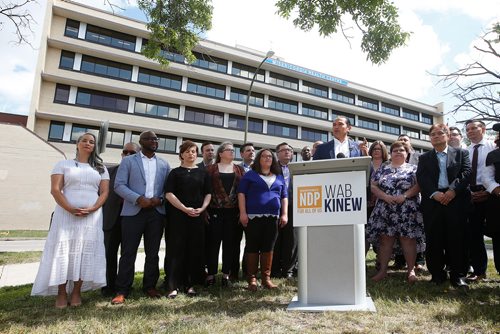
[(329, 203)]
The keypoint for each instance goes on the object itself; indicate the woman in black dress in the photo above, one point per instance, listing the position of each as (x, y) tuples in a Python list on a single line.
[(188, 194)]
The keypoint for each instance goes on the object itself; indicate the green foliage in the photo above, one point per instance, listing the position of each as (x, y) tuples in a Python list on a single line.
[(175, 25), (376, 19)]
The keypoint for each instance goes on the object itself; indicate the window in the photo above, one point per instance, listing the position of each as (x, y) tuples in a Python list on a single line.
[(210, 63), (412, 133), (167, 144), (160, 79), (246, 71), (206, 88), (410, 114), (115, 138), (336, 113), (367, 103), (240, 95), (427, 119), (367, 123), (314, 89), (342, 96), (171, 54), (67, 60), (314, 111), (56, 131), (62, 93), (283, 81), (425, 136), (204, 117), (72, 28), (238, 122), (283, 105), (106, 68), (110, 38), (158, 109), (281, 130), (390, 128), (390, 109), (78, 130), (101, 100), (314, 135)]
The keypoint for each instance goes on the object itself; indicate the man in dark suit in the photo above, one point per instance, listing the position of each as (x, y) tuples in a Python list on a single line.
[(111, 224), (341, 146), (443, 175), (208, 154), (140, 181)]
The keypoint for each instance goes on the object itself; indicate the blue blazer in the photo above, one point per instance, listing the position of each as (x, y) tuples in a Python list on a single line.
[(130, 183), (327, 150)]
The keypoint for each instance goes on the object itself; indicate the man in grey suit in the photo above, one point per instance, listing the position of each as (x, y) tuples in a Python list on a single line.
[(140, 181), (111, 224)]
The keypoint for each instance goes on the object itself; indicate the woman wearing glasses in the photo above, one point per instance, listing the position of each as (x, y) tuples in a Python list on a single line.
[(223, 213), (263, 203), (396, 213)]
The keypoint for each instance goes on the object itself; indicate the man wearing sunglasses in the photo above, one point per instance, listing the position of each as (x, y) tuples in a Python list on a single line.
[(140, 181), (111, 224)]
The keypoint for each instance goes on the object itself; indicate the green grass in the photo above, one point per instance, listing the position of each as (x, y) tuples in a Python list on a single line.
[(23, 234), (19, 257), (422, 308)]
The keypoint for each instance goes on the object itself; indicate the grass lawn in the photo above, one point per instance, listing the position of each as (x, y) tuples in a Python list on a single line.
[(19, 257), (422, 308), (5, 234)]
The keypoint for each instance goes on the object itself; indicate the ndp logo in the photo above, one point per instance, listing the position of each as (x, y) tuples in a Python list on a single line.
[(309, 199)]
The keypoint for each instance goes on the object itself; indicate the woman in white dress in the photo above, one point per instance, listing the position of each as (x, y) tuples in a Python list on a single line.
[(73, 259)]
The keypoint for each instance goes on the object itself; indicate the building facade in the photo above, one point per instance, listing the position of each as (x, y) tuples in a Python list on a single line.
[(90, 70)]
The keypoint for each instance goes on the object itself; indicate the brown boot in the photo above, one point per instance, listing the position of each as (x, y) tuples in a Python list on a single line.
[(252, 267), (266, 261)]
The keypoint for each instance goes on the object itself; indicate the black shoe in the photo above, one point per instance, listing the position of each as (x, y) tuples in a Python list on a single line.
[(225, 282), (209, 282), (460, 284)]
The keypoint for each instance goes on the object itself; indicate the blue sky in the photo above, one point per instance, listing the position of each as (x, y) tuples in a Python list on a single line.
[(443, 33)]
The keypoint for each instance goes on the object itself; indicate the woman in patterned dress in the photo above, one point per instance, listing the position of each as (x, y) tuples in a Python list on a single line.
[(73, 258), (396, 213)]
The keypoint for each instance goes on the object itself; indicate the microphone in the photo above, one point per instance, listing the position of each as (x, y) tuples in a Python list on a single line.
[(340, 155)]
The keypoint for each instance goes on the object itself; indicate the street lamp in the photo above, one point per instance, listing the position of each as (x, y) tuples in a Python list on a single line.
[(268, 55)]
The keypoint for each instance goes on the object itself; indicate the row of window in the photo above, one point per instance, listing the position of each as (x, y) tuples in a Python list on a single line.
[(127, 42), (119, 103)]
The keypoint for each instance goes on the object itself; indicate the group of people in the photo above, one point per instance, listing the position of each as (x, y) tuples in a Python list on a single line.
[(437, 202)]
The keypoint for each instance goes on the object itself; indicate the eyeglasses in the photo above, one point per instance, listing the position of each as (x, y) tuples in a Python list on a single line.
[(155, 139), (285, 150), (455, 134), (377, 149), (127, 152), (437, 134), (228, 150), (266, 157)]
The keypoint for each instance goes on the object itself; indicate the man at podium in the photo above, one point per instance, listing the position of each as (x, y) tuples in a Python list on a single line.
[(341, 146)]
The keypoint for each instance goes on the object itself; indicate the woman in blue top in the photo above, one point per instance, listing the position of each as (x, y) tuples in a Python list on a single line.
[(263, 203)]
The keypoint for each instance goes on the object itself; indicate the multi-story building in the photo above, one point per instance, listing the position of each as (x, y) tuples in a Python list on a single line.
[(91, 70)]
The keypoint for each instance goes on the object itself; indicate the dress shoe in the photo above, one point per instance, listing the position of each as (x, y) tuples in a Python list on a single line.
[(475, 278), (153, 293), (118, 300), (191, 292), (460, 284), (172, 294)]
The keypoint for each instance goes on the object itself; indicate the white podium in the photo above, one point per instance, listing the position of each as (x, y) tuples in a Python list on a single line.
[(329, 203)]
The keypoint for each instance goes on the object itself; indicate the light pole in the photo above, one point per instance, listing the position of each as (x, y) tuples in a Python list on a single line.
[(268, 54)]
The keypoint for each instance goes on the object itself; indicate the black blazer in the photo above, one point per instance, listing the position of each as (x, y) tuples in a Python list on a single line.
[(111, 209), (458, 168)]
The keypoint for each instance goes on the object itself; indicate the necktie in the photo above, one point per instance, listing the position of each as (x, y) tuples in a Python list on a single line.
[(473, 174)]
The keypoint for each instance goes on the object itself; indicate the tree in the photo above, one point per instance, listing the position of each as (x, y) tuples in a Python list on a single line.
[(177, 24), (16, 14), (476, 86)]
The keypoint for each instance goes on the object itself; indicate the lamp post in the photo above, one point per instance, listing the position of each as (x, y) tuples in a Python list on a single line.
[(268, 54)]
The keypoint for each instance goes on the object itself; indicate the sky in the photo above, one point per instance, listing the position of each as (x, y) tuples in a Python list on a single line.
[(443, 33)]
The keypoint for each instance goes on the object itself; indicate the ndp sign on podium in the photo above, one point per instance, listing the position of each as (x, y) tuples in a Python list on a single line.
[(329, 199)]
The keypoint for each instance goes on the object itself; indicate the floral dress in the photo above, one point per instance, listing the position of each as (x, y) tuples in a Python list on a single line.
[(396, 220)]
